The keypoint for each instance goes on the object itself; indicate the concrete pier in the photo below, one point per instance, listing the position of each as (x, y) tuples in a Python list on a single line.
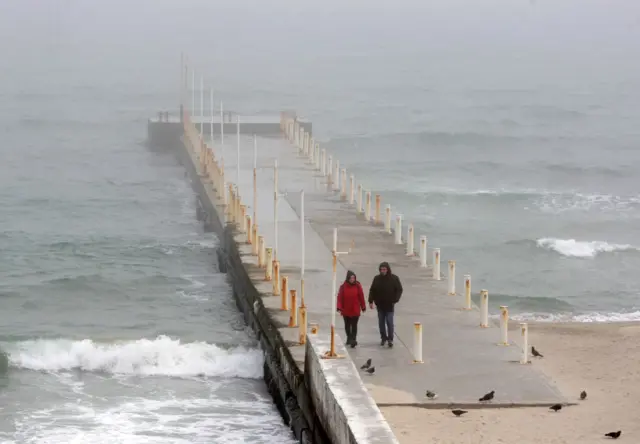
[(461, 361)]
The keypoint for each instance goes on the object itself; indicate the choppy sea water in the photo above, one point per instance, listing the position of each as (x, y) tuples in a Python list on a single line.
[(510, 141)]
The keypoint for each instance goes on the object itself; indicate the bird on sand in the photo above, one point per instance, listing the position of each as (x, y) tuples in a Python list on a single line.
[(583, 395), (488, 396), (431, 395), (366, 365), (370, 370), (458, 412), (535, 352), (556, 407), (614, 435)]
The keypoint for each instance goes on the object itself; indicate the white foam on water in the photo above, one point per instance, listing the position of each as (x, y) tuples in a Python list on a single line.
[(159, 356), (571, 317), (176, 421), (581, 249)]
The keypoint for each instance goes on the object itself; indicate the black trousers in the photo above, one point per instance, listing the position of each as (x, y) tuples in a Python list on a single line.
[(351, 327)]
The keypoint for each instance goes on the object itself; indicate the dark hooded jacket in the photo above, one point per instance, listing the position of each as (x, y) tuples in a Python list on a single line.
[(351, 297), (385, 290)]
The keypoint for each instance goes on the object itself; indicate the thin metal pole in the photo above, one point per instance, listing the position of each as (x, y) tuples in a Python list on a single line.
[(201, 105), (302, 234), (275, 208), (193, 92), (221, 124), (255, 178), (334, 284), (302, 250), (212, 113), (238, 150)]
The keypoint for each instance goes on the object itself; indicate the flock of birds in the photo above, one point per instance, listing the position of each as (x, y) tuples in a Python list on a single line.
[(368, 368)]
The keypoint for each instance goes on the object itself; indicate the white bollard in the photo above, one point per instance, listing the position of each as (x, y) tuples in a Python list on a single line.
[(504, 325), (436, 264), (367, 207), (524, 330), (452, 278), (359, 199), (467, 292), (387, 219), (317, 156), (343, 185), (417, 343), (484, 308), (323, 162), (311, 151), (336, 176), (330, 173), (352, 190), (398, 230), (268, 262), (410, 240), (423, 251)]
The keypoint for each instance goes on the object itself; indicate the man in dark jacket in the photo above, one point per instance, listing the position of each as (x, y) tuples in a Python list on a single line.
[(385, 292)]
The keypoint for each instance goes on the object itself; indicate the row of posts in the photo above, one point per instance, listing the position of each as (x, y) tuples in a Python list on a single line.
[(336, 181), (212, 171)]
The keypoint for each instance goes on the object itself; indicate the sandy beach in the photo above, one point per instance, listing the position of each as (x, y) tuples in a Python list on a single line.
[(603, 359)]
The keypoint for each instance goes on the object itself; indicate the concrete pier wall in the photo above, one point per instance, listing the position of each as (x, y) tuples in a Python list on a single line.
[(341, 398), (282, 372)]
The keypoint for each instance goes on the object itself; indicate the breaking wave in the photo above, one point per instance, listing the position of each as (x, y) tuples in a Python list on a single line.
[(159, 356), (581, 249)]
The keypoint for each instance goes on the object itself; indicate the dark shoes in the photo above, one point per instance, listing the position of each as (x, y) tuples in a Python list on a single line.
[(386, 341), (390, 344), (382, 342), (352, 343)]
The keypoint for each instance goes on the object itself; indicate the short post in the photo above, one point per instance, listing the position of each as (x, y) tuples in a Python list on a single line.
[(323, 162), (398, 230), (387, 219), (261, 252), (268, 261), (293, 312), (452, 278), (484, 308), (276, 278), (359, 199), (243, 218), (417, 343), (343, 185), (377, 210), (410, 240), (351, 189), (524, 331), (311, 150), (284, 294), (329, 173), (423, 251), (467, 292), (317, 161), (249, 230), (436, 264), (336, 176), (302, 326), (256, 246), (367, 207), (504, 325)]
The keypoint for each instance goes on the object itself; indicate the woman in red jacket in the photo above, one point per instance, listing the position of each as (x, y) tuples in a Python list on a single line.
[(350, 303)]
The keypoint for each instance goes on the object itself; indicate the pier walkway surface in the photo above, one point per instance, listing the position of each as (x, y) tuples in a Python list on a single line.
[(462, 361)]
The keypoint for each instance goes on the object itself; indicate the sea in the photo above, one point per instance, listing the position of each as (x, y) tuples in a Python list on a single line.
[(505, 131)]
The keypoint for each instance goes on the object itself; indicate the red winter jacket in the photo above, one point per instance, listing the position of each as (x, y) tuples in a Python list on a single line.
[(351, 299)]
